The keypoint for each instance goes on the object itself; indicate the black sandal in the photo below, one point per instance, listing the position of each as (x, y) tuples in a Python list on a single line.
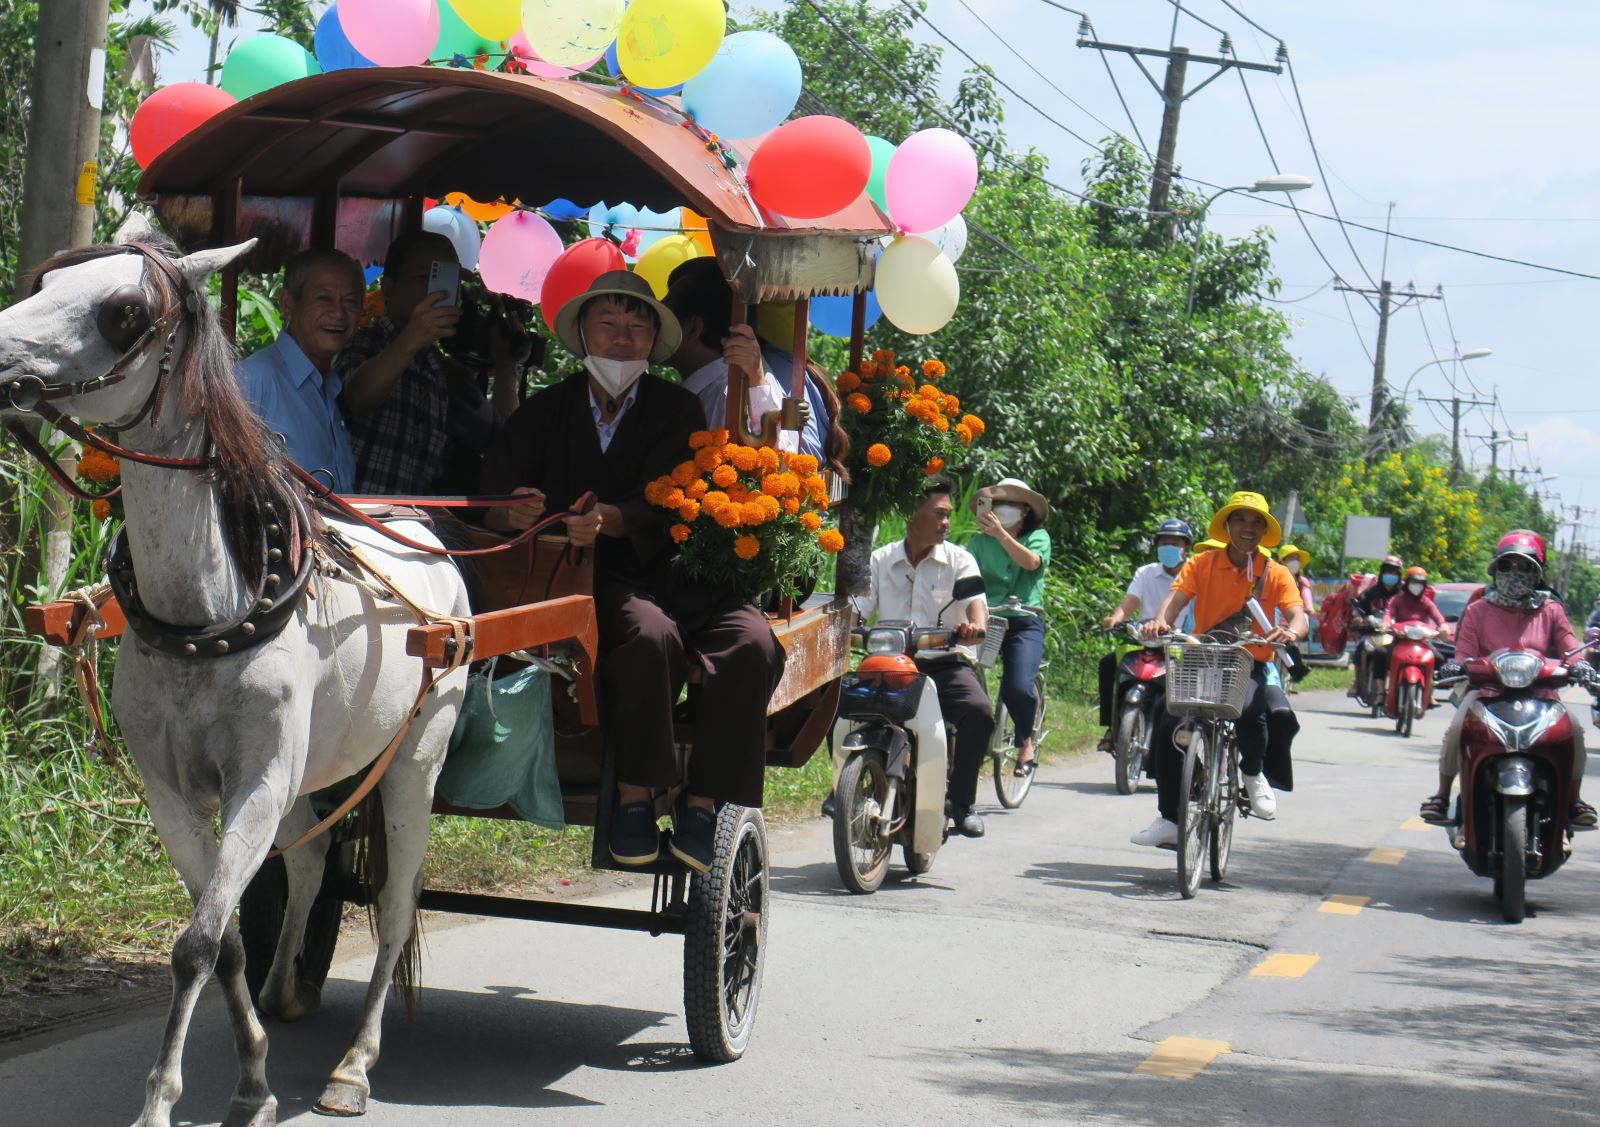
[(1582, 816), (1433, 808), (1023, 770)]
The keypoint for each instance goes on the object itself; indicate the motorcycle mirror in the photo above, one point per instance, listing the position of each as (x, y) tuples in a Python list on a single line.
[(968, 587)]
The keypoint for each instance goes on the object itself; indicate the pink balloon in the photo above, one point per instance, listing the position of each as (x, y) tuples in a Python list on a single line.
[(392, 33), (931, 177), (530, 59), (517, 253)]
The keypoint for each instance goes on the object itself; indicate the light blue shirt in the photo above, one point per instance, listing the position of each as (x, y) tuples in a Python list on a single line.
[(301, 404), (607, 431)]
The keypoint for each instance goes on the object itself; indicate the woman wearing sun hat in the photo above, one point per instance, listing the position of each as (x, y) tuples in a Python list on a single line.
[(1013, 550), (1297, 559), (1220, 583)]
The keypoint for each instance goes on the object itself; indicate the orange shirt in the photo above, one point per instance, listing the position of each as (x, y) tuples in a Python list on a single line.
[(1219, 591)]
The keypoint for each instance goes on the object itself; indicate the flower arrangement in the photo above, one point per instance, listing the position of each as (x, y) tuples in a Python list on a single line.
[(900, 432), (100, 473), (749, 517)]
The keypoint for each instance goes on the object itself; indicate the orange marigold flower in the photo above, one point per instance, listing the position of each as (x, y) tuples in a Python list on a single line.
[(810, 521), (746, 547), (830, 540), (728, 516), (102, 509), (974, 424), (952, 406), (738, 494), (859, 403), (791, 505), (930, 393), (674, 498), (699, 438), (744, 458), (780, 485), (902, 372), (883, 358), (689, 511), (878, 454), (98, 466), (941, 424), (933, 369), (708, 458), (656, 490), (685, 474), (869, 370), (964, 433), (720, 436), (770, 460), (904, 377), (769, 506), (847, 382), (696, 489), (680, 533), (934, 465), (802, 463), (724, 476), (754, 513)]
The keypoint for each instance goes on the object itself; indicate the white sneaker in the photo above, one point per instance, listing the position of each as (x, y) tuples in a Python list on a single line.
[(1263, 803), (1159, 834)]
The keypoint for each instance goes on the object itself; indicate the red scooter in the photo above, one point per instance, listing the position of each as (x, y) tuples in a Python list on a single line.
[(1140, 699), (1516, 773), (1411, 661)]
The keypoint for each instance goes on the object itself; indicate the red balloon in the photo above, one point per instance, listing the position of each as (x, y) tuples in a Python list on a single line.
[(171, 112), (570, 275), (810, 167)]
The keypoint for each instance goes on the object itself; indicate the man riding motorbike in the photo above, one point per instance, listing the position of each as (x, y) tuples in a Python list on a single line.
[(1147, 590), (1373, 601), (1513, 614)]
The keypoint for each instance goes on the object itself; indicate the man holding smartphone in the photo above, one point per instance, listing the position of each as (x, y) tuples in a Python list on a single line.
[(404, 399)]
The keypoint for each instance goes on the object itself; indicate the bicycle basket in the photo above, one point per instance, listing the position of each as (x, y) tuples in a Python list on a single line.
[(1207, 680), (989, 655)]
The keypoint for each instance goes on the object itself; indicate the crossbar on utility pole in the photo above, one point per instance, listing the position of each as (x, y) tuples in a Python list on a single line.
[(1494, 440), (1388, 301), (1456, 403)]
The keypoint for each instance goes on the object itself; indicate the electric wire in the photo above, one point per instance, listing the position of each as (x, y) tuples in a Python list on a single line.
[(1226, 4), (1297, 300), (1198, 19), (1316, 156), (1117, 86), (1344, 295)]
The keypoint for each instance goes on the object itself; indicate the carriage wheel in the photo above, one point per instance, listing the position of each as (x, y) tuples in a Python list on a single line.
[(724, 938), (261, 911)]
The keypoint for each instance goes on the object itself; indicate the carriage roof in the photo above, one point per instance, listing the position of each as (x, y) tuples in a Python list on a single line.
[(344, 158)]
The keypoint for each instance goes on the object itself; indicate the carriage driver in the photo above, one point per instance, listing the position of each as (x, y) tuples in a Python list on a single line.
[(609, 430)]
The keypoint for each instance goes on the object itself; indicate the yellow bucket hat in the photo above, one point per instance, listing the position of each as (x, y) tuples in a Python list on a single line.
[(1254, 502), (1291, 550), (1205, 546)]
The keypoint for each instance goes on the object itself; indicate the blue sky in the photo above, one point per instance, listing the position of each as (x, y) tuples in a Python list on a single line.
[(1472, 117)]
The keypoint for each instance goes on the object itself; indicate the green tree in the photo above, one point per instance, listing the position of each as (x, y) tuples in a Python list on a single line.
[(1432, 525)]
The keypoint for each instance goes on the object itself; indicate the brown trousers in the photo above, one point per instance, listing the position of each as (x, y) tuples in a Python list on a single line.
[(645, 652)]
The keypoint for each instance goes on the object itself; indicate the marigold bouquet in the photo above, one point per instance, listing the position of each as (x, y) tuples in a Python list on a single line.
[(749, 517), (100, 473), (900, 432)]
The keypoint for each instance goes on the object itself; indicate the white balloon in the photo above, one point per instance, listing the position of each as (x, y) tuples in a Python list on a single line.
[(951, 238), (457, 226), (917, 286)]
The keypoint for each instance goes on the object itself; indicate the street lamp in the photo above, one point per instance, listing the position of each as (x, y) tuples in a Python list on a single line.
[(1283, 183), (1468, 354)]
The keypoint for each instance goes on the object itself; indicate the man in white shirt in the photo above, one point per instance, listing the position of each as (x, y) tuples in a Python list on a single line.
[(1148, 590), (913, 580)]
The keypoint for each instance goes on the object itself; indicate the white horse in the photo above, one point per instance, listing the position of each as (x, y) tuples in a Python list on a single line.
[(230, 732)]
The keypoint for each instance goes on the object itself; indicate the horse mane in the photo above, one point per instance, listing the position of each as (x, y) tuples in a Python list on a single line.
[(246, 461)]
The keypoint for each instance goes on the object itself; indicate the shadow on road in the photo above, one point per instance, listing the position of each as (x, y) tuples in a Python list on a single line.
[(820, 881)]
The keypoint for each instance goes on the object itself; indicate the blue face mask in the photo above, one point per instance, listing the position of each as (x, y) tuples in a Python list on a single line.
[(1170, 555), (1390, 580)]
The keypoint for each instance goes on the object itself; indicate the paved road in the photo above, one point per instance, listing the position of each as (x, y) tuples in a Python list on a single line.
[(1047, 973)]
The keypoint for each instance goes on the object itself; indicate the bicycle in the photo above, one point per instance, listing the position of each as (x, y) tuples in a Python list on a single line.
[(1010, 788)]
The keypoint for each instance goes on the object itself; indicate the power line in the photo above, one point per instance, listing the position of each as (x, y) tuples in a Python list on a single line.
[(1226, 4), (1296, 300), (1344, 295), (1117, 86), (1316, 156), (1198, 19)]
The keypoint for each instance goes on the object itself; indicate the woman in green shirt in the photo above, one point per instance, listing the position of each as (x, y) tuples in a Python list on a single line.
[(1013, 549)]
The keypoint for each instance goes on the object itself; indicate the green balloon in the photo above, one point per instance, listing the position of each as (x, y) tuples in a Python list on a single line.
[(456, 38), (265, 61), (881, 152)]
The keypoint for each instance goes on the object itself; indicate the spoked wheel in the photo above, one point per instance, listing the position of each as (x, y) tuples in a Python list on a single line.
[(261, 911), (1409, 705), (1133, 739), (725, 937), (860, 847), (1513, 880), (1193, 823), (1226, 810)]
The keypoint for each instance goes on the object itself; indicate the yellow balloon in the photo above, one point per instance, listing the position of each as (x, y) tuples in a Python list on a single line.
[(696, 227), (917, 286), (657, 264), (482, 212), (775, 323), (664, 42), (569, 33), (492, 19)]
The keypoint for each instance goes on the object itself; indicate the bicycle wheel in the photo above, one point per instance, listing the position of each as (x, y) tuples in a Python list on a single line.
[(1192, 821), (1227, 806), (1009, 788)]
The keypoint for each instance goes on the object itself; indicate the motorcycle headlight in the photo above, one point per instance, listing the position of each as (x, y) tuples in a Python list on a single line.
[(1518, 670), (1416, 633), (887, 640)]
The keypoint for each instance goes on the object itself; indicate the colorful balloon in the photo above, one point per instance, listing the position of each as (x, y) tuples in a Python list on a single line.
[(537, 66), (882, 154), (931, 177), (614, 68), (951, 238), (570, 32), (517, 254), (456, 37), (834, 315), (264, 61), (169, 113), (668, 42), (751, 86), (657, 264), (579, 264), (479, 212), (810, 167), (455, 225), (695, 226), (334, 51), (392, 33), (917, 286), (656, 225), (561, 209), (492, 19), (370, 274)]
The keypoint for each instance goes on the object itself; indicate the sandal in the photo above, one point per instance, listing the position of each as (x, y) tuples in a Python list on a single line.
[(1582, 816), (1433, 809), (1108, 743), (1025, 767)]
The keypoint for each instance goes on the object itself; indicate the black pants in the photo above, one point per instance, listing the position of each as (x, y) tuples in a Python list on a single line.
[(964, 703), (1251, 728), (1108, 687)]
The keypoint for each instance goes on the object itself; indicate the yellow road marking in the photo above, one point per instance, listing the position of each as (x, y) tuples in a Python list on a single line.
[(1285, 966), (1416, 824), (1339, 905), (1386, 856), (1181, 1058)]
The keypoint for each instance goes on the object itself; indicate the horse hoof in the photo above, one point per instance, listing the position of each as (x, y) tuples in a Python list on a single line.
[(341, 1097), (264, 1114)]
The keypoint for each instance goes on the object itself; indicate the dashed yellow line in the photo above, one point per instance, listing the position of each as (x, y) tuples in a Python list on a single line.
[(1416, 825), (1284, 966), (1385, 856), (1340, 905), (1181, 1058)]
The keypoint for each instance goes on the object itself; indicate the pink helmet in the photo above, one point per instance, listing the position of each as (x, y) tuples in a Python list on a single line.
[(1520, 542)]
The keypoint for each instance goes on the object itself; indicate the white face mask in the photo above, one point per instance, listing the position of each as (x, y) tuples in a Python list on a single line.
[(1293, 565), (614, 376), (1010, 515), (1416, 588)]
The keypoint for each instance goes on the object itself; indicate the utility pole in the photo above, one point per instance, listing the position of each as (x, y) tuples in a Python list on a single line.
[(1173, 94), (1388, 300), (1578, 513), (1456, 403), (1494, 440)]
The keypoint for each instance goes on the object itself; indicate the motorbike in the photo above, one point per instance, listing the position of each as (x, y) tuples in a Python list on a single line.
[(1411, 662), (1517, 749), (1140, 697), (892, 752), (1372, 652)]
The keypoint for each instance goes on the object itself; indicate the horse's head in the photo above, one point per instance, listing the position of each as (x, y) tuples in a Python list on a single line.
[(102, 326)]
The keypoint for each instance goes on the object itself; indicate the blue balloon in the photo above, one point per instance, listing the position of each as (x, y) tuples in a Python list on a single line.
[(333, 48), (371, 274), (750, 86), (564, 210), (832, 315), (614, 69)]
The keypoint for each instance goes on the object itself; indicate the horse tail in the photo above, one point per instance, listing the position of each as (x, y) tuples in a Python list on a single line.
[(372, 872)]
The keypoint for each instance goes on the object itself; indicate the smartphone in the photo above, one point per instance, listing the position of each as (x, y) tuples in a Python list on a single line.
[(445, 277), (984, 506)]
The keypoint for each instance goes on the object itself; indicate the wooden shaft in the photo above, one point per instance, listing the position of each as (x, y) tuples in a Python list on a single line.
[(858, 329)]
